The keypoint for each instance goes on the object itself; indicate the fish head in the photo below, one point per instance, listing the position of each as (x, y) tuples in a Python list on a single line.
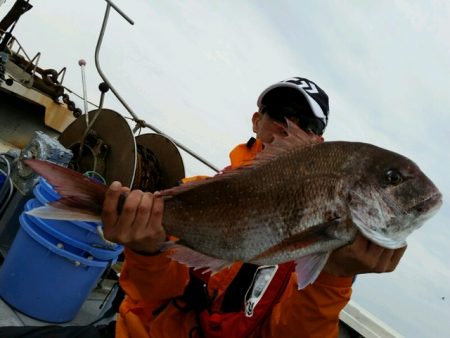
[(392, 198)]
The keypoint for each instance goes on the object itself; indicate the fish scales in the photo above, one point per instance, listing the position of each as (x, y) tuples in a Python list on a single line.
[(243, 215), (295, 202)]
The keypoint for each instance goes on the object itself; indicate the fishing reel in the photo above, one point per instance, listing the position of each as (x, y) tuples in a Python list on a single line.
[(109, 150)]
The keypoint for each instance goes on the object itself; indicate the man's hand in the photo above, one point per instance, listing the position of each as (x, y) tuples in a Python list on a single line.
[(362, 256), (139, 225)]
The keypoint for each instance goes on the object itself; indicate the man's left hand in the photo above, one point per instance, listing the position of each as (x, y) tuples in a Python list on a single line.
[(362, 256)]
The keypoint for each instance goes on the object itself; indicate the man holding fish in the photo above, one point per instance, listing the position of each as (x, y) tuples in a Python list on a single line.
[(167, 299), (269, 247)]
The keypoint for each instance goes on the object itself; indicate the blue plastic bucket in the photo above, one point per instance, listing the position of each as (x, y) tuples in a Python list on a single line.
[(85, 232), (44, 281), (70, 244), (44, 192)]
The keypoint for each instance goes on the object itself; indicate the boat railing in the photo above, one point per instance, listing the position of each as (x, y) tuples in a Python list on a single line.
[(140, 123), (31, 64)]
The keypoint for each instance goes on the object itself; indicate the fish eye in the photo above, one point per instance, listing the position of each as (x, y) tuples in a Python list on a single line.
[(394, 177)]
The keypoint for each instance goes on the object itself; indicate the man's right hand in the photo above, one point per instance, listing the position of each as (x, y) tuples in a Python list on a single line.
[(139, 225)]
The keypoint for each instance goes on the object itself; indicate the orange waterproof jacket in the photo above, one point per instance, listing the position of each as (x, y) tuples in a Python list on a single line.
[(152, 282)]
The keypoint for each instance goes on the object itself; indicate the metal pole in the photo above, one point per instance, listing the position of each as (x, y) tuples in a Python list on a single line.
[(82, 64), (118, 10), (121, 100)]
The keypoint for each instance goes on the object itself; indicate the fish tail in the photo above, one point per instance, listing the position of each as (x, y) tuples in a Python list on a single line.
[(76, 190)]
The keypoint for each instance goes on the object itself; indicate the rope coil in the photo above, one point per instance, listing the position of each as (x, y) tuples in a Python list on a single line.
[(148, 175)]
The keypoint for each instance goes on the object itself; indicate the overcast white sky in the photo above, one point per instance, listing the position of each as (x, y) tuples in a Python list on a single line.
[(195, 69)]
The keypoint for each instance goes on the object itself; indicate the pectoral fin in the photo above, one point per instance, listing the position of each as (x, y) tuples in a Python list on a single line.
[(194, 259), (310, 240), (309, 267)]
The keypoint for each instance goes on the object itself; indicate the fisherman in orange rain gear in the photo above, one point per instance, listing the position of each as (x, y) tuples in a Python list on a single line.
[(167, 299), (157, 304)]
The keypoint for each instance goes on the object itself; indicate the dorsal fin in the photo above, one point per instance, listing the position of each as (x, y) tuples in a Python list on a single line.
[(295, 138)]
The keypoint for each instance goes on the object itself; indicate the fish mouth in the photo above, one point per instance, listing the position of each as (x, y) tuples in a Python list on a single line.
[(428, 205), (401, 226)]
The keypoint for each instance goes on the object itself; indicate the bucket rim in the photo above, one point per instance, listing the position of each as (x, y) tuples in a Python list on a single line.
[(102, 254), (37, 192), (70, 256)]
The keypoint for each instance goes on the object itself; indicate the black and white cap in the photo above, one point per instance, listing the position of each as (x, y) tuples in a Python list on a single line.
[(316, 98)]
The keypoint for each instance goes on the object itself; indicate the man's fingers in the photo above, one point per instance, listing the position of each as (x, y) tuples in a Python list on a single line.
[(384, 262), (373, 257), (395, 259), (143, 211), (389, 259), (360, 242), (155, 222), (367, 247), (128, 214), (125, 190), (147, 233), (109, 211)]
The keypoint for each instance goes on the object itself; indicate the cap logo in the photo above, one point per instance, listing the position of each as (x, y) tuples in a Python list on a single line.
[(308, 87)]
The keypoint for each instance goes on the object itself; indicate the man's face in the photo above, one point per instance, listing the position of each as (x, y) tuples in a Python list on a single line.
[(265, 127)]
